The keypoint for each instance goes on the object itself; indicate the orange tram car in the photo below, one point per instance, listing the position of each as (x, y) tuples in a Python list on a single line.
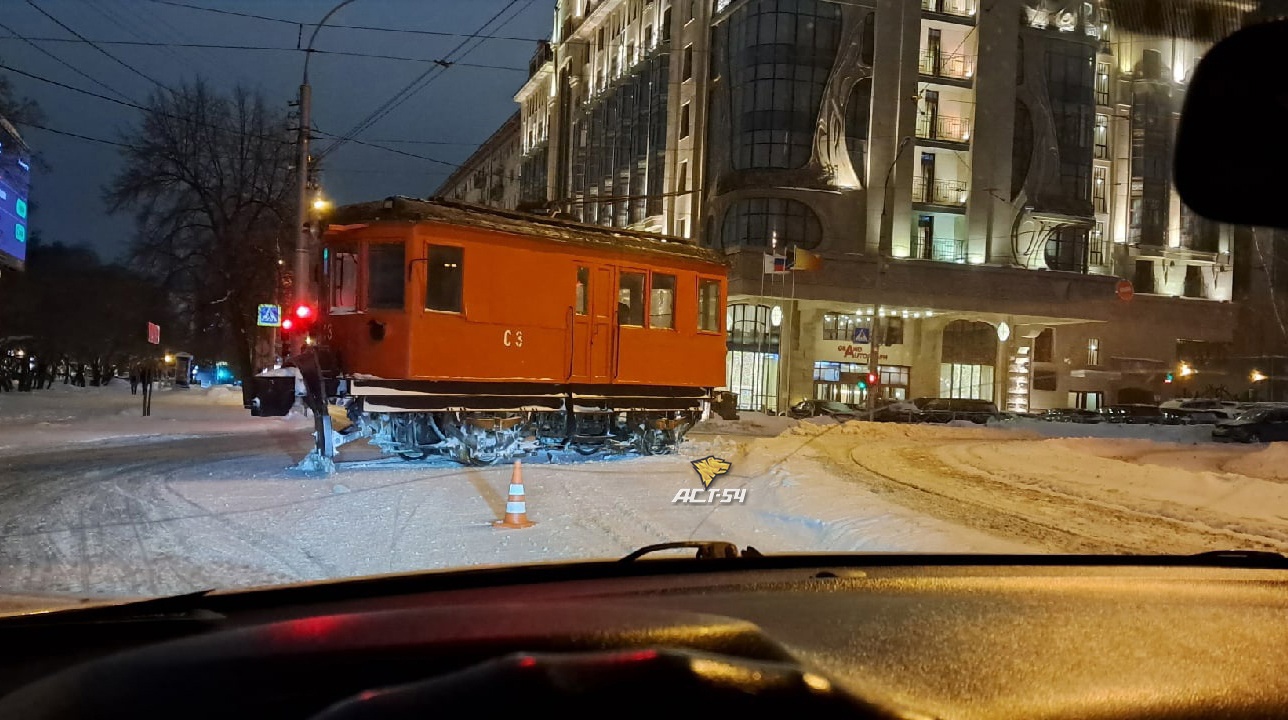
[(482, 335)]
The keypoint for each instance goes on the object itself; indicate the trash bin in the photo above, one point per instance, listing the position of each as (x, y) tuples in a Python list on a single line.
[(270, 396), (726, 405)]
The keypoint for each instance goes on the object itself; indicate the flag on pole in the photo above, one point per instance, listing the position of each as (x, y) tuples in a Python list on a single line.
[(776, 264), (805, 260)]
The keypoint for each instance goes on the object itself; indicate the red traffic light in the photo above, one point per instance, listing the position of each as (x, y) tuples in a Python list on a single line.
[(303, 312), (287, 323), (872, 378)]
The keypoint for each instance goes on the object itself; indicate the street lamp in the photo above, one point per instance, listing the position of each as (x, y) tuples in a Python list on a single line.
[(304, 241)]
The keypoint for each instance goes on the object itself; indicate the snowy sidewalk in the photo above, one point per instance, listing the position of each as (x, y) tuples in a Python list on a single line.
[(66, 416)]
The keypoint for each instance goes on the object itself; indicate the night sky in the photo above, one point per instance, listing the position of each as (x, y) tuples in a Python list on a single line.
[(447, 119)]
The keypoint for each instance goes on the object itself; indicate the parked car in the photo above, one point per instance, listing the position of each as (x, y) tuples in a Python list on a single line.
[(1137, 414), (822, 408), (1254, 426), (1074, 415), (1218, 409), (942, 410), (900, 411)]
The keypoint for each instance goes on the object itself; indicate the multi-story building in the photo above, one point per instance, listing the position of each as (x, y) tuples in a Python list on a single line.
[(988, 185), (490, 176)]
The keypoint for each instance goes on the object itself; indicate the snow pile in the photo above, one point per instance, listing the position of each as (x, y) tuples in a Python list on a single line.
[(1270, 462), (1189, 434), (748, 423)]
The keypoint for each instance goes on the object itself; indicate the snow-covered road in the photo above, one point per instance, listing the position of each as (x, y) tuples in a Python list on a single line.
[(95, 500)]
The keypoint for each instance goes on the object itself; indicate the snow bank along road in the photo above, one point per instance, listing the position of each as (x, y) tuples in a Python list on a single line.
[(94, 500)]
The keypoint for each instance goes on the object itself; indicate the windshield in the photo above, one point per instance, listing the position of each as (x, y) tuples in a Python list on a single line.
[(297, 290)]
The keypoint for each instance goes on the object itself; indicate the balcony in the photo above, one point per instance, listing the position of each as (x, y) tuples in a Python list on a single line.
[(946, 66), (956, 8), (943, 129), (939, 192), (939, 249)]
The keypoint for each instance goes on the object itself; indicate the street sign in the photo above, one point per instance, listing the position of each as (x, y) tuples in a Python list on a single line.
[(862, 336), (1124, 290), (154, 333), (269, 316)]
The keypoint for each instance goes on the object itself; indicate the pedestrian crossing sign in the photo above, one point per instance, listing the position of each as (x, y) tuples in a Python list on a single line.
[(270, 316)]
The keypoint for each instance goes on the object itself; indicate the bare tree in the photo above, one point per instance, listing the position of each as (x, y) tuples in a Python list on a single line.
[(209, 180)]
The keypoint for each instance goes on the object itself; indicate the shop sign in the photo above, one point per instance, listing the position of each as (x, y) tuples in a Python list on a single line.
[(854, 352)]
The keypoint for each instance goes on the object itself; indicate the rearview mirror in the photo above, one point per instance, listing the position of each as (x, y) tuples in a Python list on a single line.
[(1229, 151)]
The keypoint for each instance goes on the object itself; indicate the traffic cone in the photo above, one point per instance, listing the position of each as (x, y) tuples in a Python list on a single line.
[(516, 509)]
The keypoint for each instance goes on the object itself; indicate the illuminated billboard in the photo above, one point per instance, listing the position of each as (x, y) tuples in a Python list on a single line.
[(15, 180)]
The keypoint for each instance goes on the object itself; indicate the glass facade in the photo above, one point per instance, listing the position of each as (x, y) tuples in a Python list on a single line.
[(1151, 152), (778, 54), (751, 365), (758, 222), (1070, 75), (619, 147), (967, 360), (842, 382), (532, 177), (858, 112)]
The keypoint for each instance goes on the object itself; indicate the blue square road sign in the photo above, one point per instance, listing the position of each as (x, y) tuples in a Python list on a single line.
[(269, 316)]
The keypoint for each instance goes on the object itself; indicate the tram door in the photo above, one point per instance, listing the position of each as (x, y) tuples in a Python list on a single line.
[(594, 310)]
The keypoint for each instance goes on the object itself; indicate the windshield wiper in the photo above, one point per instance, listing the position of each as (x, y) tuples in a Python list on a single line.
[(1244, 558), (169, 607), (707, 550)]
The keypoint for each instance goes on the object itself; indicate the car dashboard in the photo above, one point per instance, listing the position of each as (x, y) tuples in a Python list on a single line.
[(872, 636)]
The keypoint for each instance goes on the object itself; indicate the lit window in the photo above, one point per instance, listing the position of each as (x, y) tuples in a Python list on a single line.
[(583, 283), (661, 304), (1093, 351), (709, 305)]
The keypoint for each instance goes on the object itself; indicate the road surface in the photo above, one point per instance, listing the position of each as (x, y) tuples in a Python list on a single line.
[(164, 515)]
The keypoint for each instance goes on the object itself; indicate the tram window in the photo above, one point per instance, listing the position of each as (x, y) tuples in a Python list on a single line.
[(630, 299), (661, 305), (709, 305), (443, 282), (385, 282), (583, 282), (344, 282)]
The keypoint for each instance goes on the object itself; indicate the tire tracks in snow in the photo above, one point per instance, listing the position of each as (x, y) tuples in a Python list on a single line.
[(925, 479)]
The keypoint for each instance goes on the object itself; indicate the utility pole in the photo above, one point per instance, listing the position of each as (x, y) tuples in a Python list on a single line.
[(302, 281), (884, 244), (301, 285)]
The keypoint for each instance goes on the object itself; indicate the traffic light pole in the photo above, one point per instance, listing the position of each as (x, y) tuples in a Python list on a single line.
[(302, 280), (883, 246), (301, 285)]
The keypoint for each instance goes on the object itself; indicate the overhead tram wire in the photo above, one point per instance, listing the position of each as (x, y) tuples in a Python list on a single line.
[(270, 48), (370, 28), (64, 63), (78, 136), (419, 83), (115, 59), (137, 106)]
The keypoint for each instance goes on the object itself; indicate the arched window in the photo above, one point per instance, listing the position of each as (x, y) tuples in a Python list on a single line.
[(754, 222), (967, 360)]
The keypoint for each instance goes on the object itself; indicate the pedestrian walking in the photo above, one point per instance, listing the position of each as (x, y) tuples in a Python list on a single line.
[(80, 375), (134, 380)]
